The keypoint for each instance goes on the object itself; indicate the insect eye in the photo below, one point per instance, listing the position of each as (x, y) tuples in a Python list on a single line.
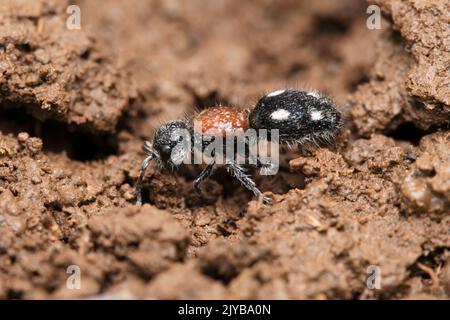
[(166, 149)]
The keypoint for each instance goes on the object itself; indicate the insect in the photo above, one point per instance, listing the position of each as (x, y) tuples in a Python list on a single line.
[(302, 118)]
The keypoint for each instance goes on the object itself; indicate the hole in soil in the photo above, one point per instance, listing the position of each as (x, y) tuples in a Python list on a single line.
[(24, 47), (408, 132), (329, 25), (360, 77), (59, 137), (425, 174), (54, 205), (14, 294), (223, 272), (86, 54), (430, 260)]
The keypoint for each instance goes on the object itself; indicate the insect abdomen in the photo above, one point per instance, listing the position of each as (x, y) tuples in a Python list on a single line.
[(298, 115)]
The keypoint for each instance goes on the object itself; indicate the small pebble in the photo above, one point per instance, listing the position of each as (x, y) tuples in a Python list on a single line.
[(36, 180), (23, 136)]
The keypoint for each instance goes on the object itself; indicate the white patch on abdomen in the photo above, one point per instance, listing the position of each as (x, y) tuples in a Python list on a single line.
[(280, 114), (314, 94), (316, 115), (275, 93)]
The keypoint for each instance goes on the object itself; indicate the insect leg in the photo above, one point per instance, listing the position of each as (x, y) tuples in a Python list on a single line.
[(239, 173), (144, 166), (203, 176)]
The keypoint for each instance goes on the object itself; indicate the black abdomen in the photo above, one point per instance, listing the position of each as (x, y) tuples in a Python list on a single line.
[(298, 115)]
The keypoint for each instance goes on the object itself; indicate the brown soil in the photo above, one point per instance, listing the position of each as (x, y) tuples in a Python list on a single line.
[(76, 105)]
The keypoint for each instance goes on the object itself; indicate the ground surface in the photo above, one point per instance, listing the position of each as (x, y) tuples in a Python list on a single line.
[(75, 107)]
